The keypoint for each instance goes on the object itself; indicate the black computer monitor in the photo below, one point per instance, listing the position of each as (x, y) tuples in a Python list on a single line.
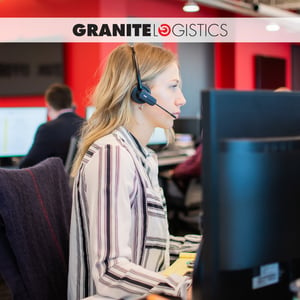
[(18, 126), (189, 125), (28, 68), (251, 196)]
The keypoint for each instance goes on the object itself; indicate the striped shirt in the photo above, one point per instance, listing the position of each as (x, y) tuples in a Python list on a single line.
[(119, 239)]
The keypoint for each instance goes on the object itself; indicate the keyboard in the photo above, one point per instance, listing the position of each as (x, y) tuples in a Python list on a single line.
[(176, 152), (171, 157), (171, 153)]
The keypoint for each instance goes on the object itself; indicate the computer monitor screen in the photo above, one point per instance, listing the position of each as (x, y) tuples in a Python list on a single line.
[(188, 125), (29, 68), (89, 111), (270, 72), (251, 193), (158, 139), (17, 129)]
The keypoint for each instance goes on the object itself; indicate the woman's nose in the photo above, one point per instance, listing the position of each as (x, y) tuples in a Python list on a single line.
[(180, 101)]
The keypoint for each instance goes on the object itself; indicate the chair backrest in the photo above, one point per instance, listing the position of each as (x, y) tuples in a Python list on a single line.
[(71, 153), (35, 212)]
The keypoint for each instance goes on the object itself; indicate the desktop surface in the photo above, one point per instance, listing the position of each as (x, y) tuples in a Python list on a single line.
[(172, 157)]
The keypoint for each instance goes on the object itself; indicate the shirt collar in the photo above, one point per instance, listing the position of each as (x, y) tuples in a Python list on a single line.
[(131, 139)]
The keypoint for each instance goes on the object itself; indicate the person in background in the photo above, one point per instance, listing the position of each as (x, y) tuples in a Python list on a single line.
[(183, 190), (53, 138), (184, 172), (119, 237), (282, 89)]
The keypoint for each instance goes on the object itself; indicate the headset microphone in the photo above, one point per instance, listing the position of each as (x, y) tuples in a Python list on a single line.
[(141, 93), (172, 115)]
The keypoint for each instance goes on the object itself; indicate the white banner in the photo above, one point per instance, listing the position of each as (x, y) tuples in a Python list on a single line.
[(152, 30)]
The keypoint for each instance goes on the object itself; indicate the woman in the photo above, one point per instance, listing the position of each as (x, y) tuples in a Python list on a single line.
[(119, 239)]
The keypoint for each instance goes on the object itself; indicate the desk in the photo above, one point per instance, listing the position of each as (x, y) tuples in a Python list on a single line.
[(181, 265), (171, 161), (171, 158)]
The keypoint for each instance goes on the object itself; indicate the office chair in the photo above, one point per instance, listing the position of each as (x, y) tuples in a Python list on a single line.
[(35, 212), (71, 153), (184, 206)]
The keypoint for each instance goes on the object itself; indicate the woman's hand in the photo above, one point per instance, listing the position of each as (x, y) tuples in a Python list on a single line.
[(189, 295)]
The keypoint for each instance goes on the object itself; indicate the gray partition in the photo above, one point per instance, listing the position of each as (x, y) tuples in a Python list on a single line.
[(197, 71)]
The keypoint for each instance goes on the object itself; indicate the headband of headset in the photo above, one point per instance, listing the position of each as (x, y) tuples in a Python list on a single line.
[(141, 93)]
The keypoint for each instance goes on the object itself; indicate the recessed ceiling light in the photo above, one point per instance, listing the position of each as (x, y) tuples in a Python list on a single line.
[(272, 27), (191, 6)]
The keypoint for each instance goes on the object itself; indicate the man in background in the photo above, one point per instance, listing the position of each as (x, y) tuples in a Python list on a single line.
[(53, 138)]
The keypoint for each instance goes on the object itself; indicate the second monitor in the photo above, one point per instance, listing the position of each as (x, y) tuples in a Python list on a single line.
[(250, 177), (189, 125)]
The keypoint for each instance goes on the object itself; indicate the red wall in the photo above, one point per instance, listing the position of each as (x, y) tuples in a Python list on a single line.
[(224, 65), (244, 61), (235, 66), (83, 61)]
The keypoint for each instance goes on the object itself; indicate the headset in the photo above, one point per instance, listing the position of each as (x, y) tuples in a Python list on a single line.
[(141, 93)]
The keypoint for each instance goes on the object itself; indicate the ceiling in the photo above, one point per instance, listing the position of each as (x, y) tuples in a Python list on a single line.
[(268, 8), (284, 4)]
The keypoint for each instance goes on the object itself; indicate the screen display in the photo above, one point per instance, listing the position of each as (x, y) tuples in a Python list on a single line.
[(29, 68), (18, 126), (270, 72), (188, 125), (158, 137), (89, 111)]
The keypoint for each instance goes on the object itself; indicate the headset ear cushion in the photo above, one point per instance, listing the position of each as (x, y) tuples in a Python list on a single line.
[(135, 94), (146, 88)]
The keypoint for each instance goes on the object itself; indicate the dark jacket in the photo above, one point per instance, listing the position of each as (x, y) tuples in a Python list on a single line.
[(53, 139)]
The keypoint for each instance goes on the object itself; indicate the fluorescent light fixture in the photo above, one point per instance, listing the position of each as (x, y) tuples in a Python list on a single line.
[(191, 6)]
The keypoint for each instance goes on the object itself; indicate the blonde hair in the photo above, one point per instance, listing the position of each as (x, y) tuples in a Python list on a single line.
[(112, 95)]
